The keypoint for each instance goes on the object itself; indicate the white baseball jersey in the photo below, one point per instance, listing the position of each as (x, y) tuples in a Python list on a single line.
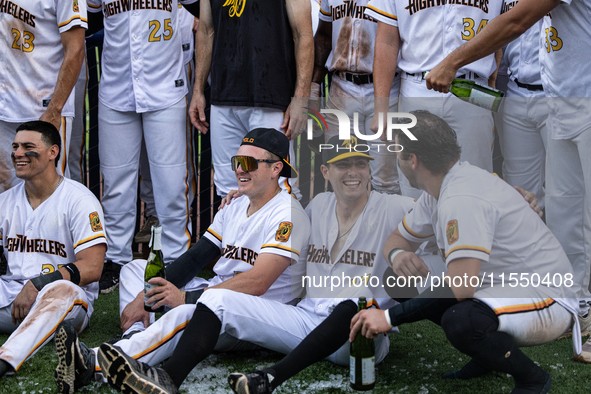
[(142, 62), (39, 241), (478, 215), (353, 35), (522, 54), (430, 30), (360, 256), (565, 57), (280, 227), (32, 53), (186, 21)]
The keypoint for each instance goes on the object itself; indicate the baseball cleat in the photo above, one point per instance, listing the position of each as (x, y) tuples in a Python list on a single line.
[(145, 234), (75, 367), (130, 376), (257, 382), (585, 355)]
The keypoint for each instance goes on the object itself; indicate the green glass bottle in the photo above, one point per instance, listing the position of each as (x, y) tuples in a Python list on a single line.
[(362, 362), (155, 266), (477, 94)]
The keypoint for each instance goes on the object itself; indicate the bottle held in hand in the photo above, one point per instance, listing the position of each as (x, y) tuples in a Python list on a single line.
[(477, 94), (155, 267), (362, 359)]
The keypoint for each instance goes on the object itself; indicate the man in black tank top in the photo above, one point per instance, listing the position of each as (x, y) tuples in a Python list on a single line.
[(260, 55)]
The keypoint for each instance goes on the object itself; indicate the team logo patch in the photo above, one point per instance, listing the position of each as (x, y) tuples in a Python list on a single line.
[(75, 6), (350, 143), (178, 83), (452, 231), (236, 7), (283, 232), (95, 222)]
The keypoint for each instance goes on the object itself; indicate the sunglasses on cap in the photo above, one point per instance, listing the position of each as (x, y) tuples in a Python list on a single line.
[(248, 163)]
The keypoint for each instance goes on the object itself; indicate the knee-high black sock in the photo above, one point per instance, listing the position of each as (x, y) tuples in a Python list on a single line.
[(324, 340), (196, 343), (472, 328)]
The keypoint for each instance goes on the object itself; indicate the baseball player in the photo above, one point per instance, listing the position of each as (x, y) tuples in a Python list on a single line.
[(345, 235), (414, 36), (53, 248), (521, 123), (486, 232), (255, 239), (187, 27), (564, 75), (142, 94), (254, 78), (41, 59), (344, 44)]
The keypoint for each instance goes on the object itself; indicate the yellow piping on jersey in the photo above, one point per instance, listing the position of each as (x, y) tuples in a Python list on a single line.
[(321, 10), (520, 308), (178, 328), (89, 239), (382, 12), (209, 230), (467, 247), (412, 232), (71, 19), (281, 247)]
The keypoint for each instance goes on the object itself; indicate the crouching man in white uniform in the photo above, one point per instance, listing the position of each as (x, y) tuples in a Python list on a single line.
[(509, 283)]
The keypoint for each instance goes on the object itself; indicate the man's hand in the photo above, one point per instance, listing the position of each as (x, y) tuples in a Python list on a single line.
[(531, 199), (23, 302), (381, 106), (134, 312), (409, 264), (441, 77), (164, 294), (371, 323), (294, 121), (197, 112), (52, 116), (229, 197)]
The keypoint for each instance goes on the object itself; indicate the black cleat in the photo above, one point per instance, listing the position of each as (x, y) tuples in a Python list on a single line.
[(257, 382), (75, 367), (130, 376)]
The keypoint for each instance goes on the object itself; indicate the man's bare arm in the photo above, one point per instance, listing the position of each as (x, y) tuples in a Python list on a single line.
[(322, 49), (73, 44), (405, 263), (203, 51), (299, 15), (499, 32), (385, 60)]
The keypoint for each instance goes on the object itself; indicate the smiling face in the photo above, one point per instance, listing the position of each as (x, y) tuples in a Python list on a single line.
[(349, 177), (31, 155), (257, 182)]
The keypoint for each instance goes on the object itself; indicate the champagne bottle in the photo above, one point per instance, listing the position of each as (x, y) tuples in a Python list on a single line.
[(362, 359), (155, 266), (477, 94)]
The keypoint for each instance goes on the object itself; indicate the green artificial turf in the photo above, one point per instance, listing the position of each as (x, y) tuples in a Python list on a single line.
[(419, 355)]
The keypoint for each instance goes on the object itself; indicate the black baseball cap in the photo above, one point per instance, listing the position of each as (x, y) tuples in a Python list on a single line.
[(342, 149), (273, 141)]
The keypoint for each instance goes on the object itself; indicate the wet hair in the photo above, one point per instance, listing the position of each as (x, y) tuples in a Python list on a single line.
[(49, 134), (436, 145)]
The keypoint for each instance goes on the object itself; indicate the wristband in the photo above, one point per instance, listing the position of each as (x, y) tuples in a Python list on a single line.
[(314, 90), (43, 280), (393, 253), (388, 318), (74, 273), (191, 297)]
